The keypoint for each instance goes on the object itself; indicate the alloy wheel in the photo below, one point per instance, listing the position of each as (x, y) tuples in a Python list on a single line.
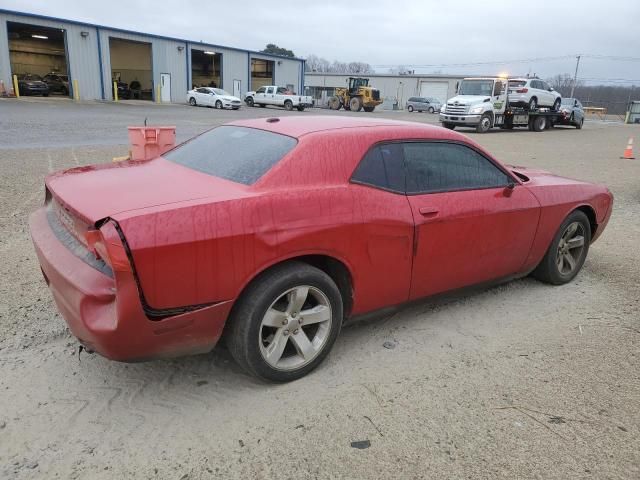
[(295, 328), (570, 248)]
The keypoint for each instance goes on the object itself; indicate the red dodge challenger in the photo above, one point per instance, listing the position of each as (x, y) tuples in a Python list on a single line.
[(272, 232)]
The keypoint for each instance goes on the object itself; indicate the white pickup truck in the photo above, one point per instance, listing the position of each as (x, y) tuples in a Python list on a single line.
[(278, 96)]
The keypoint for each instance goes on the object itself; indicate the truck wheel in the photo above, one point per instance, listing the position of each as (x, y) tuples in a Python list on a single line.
[(485, 123), (410, 108), (355, 104), (288, 105), (334, 103), (450, 126), (261, 105), (301, 108), (533, 103), (539, 124), (249, 101), (369, 109)]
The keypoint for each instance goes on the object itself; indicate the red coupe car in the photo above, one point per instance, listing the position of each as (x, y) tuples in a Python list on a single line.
[(271, 232)]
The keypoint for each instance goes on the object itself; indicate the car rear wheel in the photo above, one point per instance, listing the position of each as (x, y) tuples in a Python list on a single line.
[(533, 103), (192, 102), (556, 105), (567, 251), (410, 108), (288, 105), (286, 322)]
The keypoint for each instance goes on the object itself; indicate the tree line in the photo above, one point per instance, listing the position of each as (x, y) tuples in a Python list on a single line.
[(614, 98)]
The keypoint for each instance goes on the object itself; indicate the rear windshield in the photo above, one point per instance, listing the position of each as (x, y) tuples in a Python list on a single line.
[(238, 154), (517, 83)]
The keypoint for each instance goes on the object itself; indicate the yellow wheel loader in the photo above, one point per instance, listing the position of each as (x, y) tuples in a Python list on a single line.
[(357, 96)]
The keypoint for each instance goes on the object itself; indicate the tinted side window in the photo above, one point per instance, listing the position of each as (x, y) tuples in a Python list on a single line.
[(440, 167), (261, 90), (382, 167), (413, 99)]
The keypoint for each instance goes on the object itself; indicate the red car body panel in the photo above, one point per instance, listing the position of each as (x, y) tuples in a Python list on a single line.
[(183, 245)]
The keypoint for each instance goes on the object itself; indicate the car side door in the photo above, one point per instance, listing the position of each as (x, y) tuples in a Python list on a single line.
[(270, 95), (474, 222)]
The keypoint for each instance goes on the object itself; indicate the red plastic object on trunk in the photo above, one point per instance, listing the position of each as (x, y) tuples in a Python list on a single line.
[(151, 142)]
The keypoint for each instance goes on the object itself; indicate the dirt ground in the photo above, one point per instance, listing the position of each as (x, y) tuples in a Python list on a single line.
[(524, 380)]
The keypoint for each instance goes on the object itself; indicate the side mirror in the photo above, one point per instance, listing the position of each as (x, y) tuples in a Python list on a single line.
[(508, 190)]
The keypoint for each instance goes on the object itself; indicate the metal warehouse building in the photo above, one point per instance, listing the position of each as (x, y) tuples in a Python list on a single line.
[(89, 58), (392, 87)]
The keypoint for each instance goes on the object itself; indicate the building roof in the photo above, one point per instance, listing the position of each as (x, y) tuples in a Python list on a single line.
[(151, 35)]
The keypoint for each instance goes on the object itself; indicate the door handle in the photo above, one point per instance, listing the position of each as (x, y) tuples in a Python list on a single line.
[(428, 211)]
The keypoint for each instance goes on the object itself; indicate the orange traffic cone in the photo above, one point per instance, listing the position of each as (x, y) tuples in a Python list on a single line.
[(628, 152)]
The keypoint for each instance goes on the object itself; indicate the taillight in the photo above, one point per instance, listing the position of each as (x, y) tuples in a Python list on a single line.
[(522, 90), (96, 245)]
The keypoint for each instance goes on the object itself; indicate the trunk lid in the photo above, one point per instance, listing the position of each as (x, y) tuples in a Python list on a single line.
[(99, 191)]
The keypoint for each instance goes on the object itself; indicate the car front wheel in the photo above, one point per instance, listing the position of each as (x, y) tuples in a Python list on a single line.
[(192, 102), (410, 108), (286, 322), (567, 251)]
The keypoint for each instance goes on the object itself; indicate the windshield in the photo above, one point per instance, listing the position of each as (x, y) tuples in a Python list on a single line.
[(568, 101), (219, 91), (32, 76), (476, 87), (238, 154)]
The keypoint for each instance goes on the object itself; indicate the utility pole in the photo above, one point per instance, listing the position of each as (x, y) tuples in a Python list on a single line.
[(575, 76)]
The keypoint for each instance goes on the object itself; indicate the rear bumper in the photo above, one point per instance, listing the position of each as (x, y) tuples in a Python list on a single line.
[(106, 314)]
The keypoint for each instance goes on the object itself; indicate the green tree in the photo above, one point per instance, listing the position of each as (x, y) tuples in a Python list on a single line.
[(273, 49)]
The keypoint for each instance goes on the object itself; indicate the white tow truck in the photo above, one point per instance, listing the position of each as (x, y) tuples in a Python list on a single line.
[(278, 96), (483, 103)]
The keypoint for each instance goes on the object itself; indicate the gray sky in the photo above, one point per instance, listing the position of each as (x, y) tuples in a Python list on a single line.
[(399, 32)]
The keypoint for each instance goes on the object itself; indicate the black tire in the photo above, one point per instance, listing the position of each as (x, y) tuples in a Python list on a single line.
[(549, 270), (261, 105), (288, 105), (300, 108), (540, 123), (219, 105), (533, 103), (431, 110), (556, 105), (579, 124), (245, 330), (410, 108), (369, 109), (484, 125), (249, 101), (450, 126), (192, 102), (355, 104), (334, 103)]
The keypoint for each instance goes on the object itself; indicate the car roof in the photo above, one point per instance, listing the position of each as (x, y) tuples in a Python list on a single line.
[(298, 126)]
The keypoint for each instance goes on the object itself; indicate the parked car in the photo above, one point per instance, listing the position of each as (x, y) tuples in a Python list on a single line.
[(32, 84), (423, 104), (212, 97), (278, 96), (275, 231), (124, 92), (533, 93), (57, 83), (572, 112)]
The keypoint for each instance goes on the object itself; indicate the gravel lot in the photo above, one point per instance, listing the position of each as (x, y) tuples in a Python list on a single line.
[(524, 380)]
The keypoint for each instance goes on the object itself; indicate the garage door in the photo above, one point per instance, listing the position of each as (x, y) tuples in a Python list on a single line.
[(439, 90)]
